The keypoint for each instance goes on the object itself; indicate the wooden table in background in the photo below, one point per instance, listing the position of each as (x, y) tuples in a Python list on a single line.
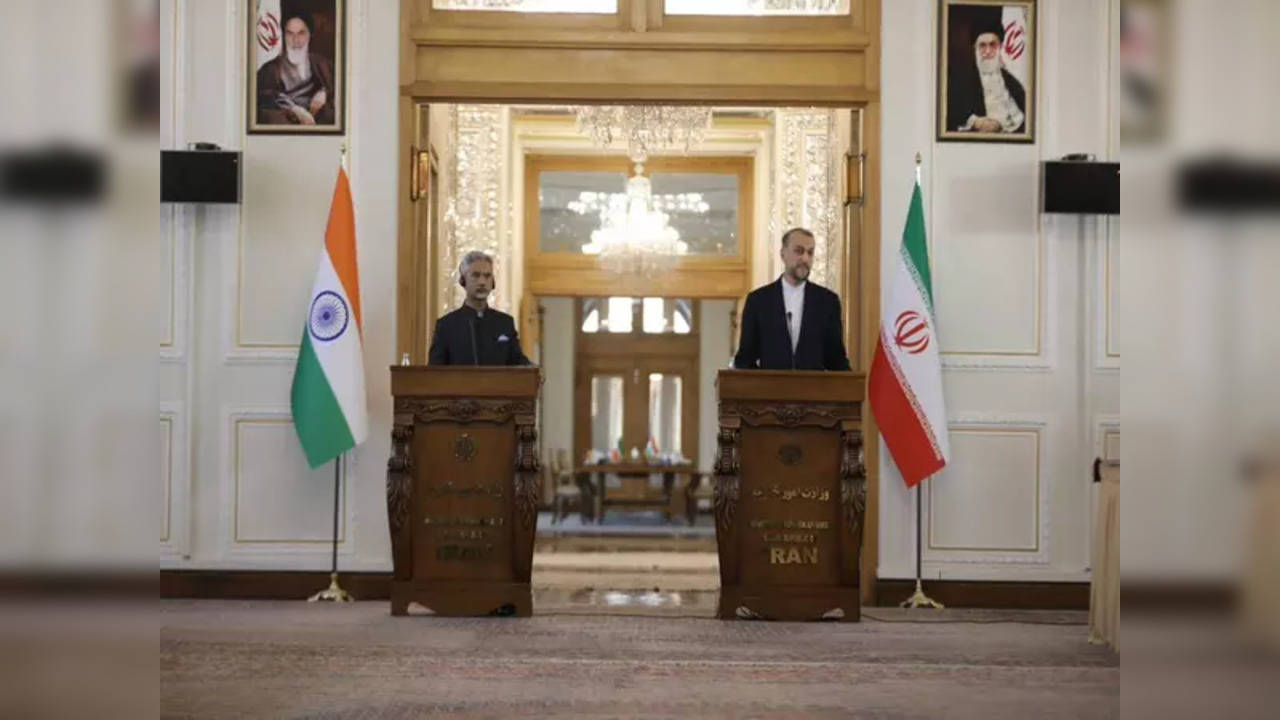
[(596, 477)]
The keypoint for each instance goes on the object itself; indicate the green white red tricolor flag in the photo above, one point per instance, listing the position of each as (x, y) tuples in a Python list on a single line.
[(905, 385), (328, 396)]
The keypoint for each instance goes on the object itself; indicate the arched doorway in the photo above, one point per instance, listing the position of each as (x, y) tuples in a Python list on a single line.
[(641, 53)]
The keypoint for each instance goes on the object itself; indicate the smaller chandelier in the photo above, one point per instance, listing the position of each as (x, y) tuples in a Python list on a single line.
[(645, 128), (635, 237)]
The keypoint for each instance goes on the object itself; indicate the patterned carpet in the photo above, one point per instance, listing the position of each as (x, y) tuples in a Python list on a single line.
[(228, 659)]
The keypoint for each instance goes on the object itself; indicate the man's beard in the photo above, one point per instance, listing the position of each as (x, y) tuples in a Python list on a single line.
[(986, 67), (298, 57)]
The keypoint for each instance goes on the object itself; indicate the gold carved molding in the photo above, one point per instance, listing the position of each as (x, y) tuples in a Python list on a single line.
[(426, 410)]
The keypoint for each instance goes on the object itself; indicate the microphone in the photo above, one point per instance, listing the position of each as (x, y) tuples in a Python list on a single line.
[(793, 344)]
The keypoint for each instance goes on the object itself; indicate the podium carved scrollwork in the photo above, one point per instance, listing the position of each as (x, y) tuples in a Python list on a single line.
[(853, 481), (726, 469), (789, 415), (399, 476), (425, 410), (527, 486)]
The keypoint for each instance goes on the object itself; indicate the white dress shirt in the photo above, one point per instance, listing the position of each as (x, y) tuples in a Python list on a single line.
[(793, 300)]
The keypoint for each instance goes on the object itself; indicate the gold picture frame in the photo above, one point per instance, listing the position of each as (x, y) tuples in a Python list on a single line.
[(987, 82), (287, 98)]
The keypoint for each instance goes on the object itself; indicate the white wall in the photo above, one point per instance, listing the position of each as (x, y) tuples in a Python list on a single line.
[(240, 494), (558, 363), (1026, 322), (714, 354), (77, 359), (1200, 397)]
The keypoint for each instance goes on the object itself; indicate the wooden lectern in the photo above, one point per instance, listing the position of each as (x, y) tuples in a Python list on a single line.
[(462, 489), (790, 494)]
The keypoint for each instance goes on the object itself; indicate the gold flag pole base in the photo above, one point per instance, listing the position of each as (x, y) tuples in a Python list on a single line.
[(919, 599), (333, 593)]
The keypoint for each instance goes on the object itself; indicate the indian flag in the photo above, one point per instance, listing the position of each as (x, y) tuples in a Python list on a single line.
[(905, 386), (328, 398)]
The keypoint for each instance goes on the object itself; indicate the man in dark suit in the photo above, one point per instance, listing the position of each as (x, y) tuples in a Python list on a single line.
[(296, 88), (476, 334), (982, 96), (791, 323)]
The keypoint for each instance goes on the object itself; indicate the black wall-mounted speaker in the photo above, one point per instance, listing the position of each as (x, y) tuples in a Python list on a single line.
[(1080, 187), (199, 176), (54, 174), (1225, 185)]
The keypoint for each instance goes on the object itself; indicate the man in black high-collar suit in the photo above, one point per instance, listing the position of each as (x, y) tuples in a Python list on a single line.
[(476, 334), (791, 323)]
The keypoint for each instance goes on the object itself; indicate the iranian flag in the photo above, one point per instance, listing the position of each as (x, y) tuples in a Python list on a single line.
[(1015, 53), (267, 32), (328, 397), (905, 386)]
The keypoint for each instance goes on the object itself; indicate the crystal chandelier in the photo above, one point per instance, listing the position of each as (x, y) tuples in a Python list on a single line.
[(635, 236), (645, 128)]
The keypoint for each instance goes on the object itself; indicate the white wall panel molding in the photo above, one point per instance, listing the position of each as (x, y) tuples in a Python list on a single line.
[(177, 218), (276, 510), (236, 80), (176, 343), (1039, 356), (1106, 322), (1024, 437), (1106, 437), (262, 305), (175, 473)]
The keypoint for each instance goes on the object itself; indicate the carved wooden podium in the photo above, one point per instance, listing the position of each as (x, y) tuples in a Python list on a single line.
[(462, 489), (790, 494)]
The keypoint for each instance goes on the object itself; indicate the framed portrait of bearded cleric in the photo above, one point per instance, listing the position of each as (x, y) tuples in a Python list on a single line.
[(986, 71), (296, 80)]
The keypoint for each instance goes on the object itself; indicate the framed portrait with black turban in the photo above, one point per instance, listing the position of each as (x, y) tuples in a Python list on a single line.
[(295, 54), (987, 70)]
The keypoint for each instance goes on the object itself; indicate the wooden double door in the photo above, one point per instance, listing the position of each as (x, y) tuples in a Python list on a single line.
[(636, 391)]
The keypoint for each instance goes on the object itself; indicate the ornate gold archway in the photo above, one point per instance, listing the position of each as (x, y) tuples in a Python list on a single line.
[(639, 55)]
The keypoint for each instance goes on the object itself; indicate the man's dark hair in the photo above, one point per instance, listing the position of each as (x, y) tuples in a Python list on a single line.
[(302, 15), (786, 236)]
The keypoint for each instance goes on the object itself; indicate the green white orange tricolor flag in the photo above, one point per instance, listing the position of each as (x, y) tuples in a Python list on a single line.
[(328, 396), (905, 386)]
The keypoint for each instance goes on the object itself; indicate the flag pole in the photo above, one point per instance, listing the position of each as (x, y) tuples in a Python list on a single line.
[(918, 598), (334, 592)]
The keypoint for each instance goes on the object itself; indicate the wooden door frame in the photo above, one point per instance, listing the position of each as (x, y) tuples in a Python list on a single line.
[(694, 276), (504, 58)]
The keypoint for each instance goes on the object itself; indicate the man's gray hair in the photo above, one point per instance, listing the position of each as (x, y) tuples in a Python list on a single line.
[(472, 258)]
